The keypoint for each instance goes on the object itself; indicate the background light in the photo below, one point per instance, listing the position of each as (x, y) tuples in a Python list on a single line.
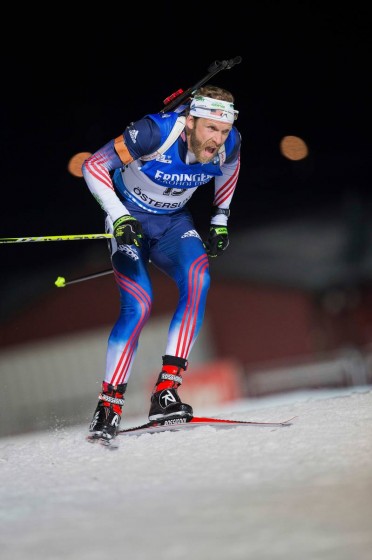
[(293, 148), (75, 163)]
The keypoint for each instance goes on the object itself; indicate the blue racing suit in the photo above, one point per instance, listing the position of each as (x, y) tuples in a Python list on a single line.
[(155, 191)]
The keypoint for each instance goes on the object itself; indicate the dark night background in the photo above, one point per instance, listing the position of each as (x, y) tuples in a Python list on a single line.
[(70, 86)]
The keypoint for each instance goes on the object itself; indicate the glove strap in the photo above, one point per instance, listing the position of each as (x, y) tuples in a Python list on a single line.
[(123, 219), (224, 211)]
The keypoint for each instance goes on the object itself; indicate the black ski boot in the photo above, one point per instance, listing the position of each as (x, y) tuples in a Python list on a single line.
[(165, 401), (107, 416)]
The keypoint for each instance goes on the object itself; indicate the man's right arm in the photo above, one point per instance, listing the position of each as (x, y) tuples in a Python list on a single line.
[(96, 172), (140, 138)]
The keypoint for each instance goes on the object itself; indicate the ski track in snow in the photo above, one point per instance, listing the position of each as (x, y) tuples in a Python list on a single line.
[(299, 492)]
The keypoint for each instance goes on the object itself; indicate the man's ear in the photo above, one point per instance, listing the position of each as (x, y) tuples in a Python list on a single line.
[(190, 122)]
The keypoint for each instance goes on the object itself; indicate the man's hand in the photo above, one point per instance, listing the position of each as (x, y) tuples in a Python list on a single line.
[(128, 231), (218, 241)]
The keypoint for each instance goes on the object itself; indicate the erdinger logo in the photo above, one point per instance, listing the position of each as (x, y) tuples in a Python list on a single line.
[(166, 398)]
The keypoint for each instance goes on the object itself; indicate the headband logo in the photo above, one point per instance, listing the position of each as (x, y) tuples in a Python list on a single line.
[(215, 109)]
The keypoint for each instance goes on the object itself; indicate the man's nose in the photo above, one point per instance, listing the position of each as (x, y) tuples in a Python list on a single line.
[(217, 137)]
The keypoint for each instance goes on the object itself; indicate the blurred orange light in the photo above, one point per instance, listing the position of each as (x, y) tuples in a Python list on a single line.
[(293, 148), (75, 163)]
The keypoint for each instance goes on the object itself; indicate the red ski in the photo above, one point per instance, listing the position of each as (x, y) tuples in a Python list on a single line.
[(176, 424)]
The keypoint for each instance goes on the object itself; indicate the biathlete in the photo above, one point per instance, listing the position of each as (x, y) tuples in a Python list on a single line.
[(143, 180)]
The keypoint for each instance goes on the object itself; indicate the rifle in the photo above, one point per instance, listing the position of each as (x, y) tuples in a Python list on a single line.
[(178, 97)]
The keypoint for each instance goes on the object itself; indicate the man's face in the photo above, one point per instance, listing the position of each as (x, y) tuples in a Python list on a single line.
[(206, 137)]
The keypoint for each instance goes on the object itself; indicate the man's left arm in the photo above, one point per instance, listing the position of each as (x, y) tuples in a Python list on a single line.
[(225, 184)]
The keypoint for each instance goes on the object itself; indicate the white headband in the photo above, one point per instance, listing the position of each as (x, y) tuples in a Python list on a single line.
[(214, 109)]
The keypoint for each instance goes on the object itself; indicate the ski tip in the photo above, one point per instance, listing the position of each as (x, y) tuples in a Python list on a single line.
[(289, 421)]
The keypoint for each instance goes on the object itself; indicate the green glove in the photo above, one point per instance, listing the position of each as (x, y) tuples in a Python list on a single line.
[(218, 241), (128, 231)]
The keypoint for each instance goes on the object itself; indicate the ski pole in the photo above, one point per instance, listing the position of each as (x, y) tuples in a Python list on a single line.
[(179, 96), (61, 281), (83, 237)]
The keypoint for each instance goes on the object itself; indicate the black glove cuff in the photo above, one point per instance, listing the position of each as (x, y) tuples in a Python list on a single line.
[(216, 211)]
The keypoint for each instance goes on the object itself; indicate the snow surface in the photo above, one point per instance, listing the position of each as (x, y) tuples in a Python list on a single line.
[(302, 492)]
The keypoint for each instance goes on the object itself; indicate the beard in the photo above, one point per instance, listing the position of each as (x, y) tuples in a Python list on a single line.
[(198, 147)]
